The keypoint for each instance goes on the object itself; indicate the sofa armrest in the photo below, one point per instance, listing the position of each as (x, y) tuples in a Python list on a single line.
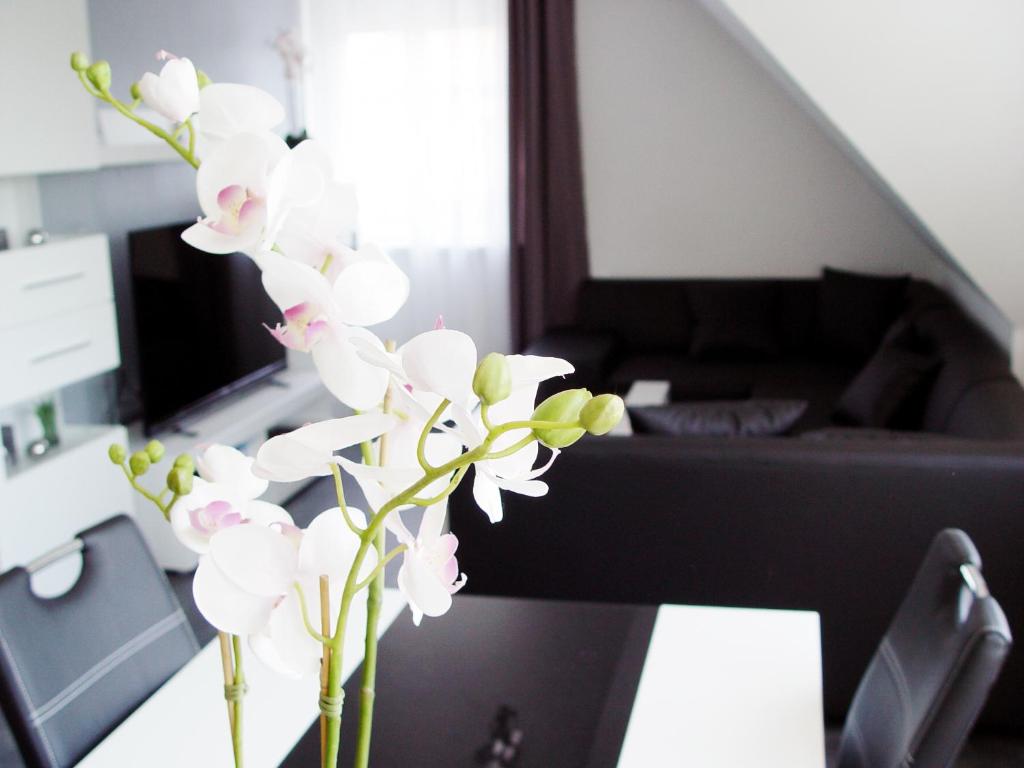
[(592, 354)]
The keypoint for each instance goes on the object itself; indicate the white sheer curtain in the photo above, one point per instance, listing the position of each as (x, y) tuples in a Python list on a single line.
[(411, 97)]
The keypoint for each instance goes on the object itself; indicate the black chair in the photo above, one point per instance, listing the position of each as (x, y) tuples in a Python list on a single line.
[(75, 666), (932, 673)]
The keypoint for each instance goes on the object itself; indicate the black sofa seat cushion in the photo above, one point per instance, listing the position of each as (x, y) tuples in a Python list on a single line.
[(735, 320), (855, 310), (890, 391), (719, 418), (691, 379)]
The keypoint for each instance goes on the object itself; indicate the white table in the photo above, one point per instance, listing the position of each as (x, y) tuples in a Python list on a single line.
[(729, 687), (720, 688), (642, 392)]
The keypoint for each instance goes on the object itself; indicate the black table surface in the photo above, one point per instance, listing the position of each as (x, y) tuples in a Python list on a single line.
[(558, 680)]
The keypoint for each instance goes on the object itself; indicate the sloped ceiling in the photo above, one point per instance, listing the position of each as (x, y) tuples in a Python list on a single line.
[(930, 95)]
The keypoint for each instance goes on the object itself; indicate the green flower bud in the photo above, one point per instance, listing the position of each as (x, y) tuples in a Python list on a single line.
[(179, 480), (565, 406), (139, 463), (184, 461), (492, 381), (135, 92), (117, 454), (155, 450), (600, 415), (203, 79), (79, 61), (99, 75)]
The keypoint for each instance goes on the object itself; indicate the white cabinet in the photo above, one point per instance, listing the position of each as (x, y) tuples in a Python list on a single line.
[(49, 122), (57, 318)]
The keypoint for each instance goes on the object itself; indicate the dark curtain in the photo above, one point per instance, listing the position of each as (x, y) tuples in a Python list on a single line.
[(549, 243)]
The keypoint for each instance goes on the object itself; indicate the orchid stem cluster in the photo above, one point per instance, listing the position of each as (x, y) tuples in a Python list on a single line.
[(426, 413), (96, 78)]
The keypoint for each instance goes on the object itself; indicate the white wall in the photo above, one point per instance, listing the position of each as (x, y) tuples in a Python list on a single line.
[(698, 163), (931, 94)]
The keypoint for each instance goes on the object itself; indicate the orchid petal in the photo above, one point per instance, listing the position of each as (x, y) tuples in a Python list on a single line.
[(329, 546), (442, 362), (257, 559), (225, 605), (370, 292), (284, 645), (266, 514), (230, 467), (291, 283), (533, 369), (422, 587), (345, 373), (487, 495), (227, 109), (532, 488), (244, 160), (432, 524)]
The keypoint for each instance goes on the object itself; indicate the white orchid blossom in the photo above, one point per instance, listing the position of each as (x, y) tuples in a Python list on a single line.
[(245, 585), (309, 451), (247, 186), (324, 318), (438, 364), (429, 575), (225, 494), (516, 472), (174, 93), (229, 109)]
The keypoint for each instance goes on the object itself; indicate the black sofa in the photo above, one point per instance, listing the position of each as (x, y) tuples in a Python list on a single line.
[(804, 339), (832, 520)]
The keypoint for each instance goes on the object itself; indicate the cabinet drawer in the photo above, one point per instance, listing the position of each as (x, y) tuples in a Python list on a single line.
[(52, 353), (53, 279)]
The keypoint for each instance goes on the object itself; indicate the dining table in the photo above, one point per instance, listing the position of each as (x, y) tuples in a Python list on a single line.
[(501, 682)]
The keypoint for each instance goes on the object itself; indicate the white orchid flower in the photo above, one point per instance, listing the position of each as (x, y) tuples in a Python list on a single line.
[(429, 575), (228, 109), (514, 473), (225, 494), (317, 235), (245, 585), (309, 451), (322, 320), (247, 186), (438, 363), (174, 93)]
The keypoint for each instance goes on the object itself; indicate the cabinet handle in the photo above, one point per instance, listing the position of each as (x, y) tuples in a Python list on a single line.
[(42, 358), (46, 282)]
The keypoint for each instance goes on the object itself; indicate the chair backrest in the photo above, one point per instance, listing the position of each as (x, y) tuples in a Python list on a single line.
[(73, 667), (932, 673)]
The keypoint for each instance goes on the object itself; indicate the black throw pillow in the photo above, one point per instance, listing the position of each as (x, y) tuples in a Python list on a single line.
[(734, 320), (718, 418), (888, 390), (855, 310)]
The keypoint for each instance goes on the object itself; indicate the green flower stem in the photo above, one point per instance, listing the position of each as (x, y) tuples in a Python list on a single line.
[(104, 95), (514, 448), (456, 479), (165, 509), (369, 538), (236, 729), (421, 445), (305, 617), (381, 564), (339, 489)]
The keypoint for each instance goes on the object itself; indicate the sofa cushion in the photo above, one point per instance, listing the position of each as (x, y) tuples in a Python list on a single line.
[(647, 315), (819, 382), (734, 320), (890, 390), (855, 310), (718, 418), (691, 379)]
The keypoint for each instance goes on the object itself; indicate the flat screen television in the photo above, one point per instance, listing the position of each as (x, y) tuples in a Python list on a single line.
[(199, 319)]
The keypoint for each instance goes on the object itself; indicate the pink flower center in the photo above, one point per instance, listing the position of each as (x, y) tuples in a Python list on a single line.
[(239, 209), (302, 329), (215, 516)]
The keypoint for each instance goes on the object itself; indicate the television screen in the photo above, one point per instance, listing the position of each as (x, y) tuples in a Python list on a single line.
[(199, 319)]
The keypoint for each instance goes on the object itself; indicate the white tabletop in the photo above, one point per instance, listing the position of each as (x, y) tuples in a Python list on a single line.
[(720, 688), (729, 688), (185, 722)]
